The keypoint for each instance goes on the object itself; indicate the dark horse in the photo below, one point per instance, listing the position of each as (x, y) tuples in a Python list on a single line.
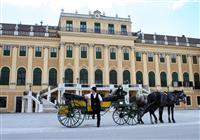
[(160, 100), (115, 94)]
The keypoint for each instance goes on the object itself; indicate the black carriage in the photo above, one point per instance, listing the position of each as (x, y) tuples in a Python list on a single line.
[(75, 109)]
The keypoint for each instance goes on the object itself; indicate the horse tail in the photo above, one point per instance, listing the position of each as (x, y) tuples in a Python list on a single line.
[(148, 108), (150, 98)]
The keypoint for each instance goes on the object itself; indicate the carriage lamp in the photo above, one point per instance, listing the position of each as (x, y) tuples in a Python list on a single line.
[(121, 103)]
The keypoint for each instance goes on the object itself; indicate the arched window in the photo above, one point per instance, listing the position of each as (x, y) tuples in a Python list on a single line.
[(21, 76), (139, 77), (126, 77), (185, 77), (113, 77), (37, 76), (174, 77), (163, 79), (84, 76), (68, 76), (196, 81), (52, 77), (152, 79), (98, 77), (4, 76)]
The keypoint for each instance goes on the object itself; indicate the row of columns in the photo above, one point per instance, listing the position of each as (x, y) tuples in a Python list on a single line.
[(29, 72), (30, 51), (120, 66), (169, 77), (106, 64)]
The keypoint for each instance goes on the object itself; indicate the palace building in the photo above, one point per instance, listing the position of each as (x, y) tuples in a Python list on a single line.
[(94, 49)]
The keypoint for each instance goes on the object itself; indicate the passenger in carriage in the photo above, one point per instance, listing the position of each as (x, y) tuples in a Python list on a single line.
[(96, 100)]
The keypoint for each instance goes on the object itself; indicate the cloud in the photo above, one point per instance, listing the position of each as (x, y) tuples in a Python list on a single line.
[(178, 4)]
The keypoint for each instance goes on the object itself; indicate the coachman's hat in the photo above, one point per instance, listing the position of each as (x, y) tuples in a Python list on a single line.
[(94, 88)]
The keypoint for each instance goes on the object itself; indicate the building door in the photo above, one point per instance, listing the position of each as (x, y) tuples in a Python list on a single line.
[(18, 104)]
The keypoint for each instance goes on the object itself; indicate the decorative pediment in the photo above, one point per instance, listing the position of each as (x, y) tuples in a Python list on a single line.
[(97, 14)]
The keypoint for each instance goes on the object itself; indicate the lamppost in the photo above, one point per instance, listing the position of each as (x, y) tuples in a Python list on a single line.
[(30, 85), (77, 79), (63, 79), (77, 90), (30, 101)]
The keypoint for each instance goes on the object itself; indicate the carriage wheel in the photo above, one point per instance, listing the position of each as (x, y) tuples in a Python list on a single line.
[(118, 117), (70, 118), (131, 118)]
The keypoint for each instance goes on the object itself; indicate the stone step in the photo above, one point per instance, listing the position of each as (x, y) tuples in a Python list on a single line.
[(48, 107), (49, 110)]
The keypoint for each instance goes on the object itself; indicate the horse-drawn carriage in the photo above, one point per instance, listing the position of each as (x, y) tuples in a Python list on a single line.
[(75, 109)]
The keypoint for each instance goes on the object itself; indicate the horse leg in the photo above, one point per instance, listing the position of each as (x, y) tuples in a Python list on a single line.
[(139, 119), (150, 113), (139, 115), (160, 114), (156, 120), (172, 110), (169, 120)]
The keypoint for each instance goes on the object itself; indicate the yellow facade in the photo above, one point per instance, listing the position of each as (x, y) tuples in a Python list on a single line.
[(91, 41)]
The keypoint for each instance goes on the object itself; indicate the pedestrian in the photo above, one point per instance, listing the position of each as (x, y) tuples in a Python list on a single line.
[(96, 100)]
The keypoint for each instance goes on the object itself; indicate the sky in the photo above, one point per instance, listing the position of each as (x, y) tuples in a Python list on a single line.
[(166, 17)]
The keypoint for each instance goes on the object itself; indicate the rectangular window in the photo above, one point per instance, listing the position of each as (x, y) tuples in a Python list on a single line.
[(188, 100), (126, 54), (69, 52), (138, 56), (53, 52), (184, 59), (83, 52), (112, 53), (150, 57), (198, 100), (97, 28), (38, 52), (69, 25), (22, 51), (6, 50), (194, 58), (3, 102), (162, 58), (173, 58), (83, 27), (123, 30), (98, 53), (111, 29)]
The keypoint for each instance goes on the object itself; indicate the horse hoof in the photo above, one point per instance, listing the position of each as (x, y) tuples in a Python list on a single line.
[(156, 122), (174, 121), (161, 121), (169, 121)]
